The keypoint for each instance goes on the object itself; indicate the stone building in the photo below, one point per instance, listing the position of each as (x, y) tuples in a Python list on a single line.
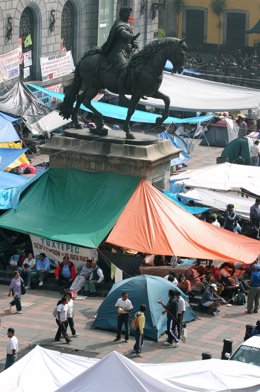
[(46, 28)]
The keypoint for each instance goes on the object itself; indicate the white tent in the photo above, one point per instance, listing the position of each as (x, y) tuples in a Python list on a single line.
[(224, 176), (48, 123), (220, 200), (43, 370), (199, 95), (117, 373)]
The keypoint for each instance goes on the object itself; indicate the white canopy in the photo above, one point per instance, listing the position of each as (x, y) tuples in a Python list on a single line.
[(220, 200), (47, 123), (43, 370), (192, 94), (117, 373), (224, 176), (48, 371)]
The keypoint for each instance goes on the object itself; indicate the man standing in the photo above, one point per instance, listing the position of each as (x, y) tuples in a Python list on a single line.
[(123, 307), (230, 218), (43, 266), (95, 279), (139, 321), (171, 308), (253, 297), (181, 311), (12, 348), (255, 215), (255, 153)]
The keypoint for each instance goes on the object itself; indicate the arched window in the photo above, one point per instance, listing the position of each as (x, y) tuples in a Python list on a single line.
[(28, 41), (67, 26), (195, 27), (235, 29)]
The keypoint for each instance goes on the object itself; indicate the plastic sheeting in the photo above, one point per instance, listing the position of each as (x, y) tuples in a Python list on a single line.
[(151, 223), (120, 112), (81, 207), (7, 131), (177, 142), (121, 374), (9, 155), (18, 100), (224, 176), (143, 289), (191, 210), (9, 180), (220, 200)]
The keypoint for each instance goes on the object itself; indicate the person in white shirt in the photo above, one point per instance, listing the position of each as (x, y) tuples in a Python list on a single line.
[(62, 319), (255, 153), (181, 311), (11, 349), (95, 279), (123, 307), (171, 277), (28, 266), (71, 315)]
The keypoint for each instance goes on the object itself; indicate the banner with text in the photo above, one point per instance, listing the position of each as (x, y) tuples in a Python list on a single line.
[(57, 66), (55, 250), (9, 65), (105, 19)]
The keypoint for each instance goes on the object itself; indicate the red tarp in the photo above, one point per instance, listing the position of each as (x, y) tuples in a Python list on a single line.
[(151, 223)]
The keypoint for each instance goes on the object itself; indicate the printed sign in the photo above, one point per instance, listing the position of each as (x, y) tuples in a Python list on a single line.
[(55, 250), (27, 58), (105, 19), (9, 65), (57, 66)]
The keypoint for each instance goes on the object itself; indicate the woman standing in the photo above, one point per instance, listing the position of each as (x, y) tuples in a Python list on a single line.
[(15, 289), (62, 320)]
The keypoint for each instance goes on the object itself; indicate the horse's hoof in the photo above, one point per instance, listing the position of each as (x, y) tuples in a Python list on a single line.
[(99, 131), (129, 135)]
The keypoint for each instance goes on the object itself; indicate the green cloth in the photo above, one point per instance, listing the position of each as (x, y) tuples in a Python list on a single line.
[(236, 149), (72, 206)]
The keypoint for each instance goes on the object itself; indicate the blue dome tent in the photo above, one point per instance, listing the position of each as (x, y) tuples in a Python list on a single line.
[(143, 289)]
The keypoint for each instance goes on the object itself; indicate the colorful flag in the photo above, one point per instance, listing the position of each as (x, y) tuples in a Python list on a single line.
[(27, 41)]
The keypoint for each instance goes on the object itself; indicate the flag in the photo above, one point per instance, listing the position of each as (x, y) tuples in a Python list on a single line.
[(27, 41)]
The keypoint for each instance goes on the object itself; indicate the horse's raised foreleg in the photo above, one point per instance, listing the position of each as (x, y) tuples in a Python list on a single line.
[(100, 128), (132, 105), (166, 100)]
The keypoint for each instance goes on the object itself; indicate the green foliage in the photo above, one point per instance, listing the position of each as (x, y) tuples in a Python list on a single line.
[(218, 6), (160, 33)]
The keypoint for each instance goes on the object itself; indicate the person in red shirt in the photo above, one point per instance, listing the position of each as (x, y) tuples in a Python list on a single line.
[(185, 285), (65, 272)]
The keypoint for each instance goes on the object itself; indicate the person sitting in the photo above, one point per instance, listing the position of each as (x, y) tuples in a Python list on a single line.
[(65, 272), (210, 300), (28, 266), (256, 329), (84, 272), (96, 278), (171, 277), (185, 285), (228, 280), (43, 266)]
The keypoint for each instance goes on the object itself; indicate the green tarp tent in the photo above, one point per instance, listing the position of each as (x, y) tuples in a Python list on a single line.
[(239, 147), (72, 206), (255, 29)]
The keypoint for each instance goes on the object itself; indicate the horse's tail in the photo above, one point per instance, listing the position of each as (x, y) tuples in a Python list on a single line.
[(66, 107)]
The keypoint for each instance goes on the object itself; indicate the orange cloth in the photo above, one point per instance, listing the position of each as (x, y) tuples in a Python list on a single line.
[(153, 224)]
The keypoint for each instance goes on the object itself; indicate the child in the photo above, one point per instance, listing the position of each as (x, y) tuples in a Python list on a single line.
[(139, 323), (71, 314)]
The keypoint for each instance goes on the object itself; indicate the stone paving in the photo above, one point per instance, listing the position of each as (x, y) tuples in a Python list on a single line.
[(37, 326)]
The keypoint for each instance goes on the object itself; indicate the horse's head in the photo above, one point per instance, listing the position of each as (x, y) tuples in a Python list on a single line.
[(178, 55)]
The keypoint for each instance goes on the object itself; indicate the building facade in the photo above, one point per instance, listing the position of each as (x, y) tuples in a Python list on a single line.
[(46, 28), (196, 21)]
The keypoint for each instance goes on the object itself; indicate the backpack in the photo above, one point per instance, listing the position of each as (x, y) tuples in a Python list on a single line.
[(239, 299), (135, 321)]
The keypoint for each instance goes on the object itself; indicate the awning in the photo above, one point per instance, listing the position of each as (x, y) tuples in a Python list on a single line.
[(177, 142), (7, 131), (72, 206), (151, 223), (191, 210)]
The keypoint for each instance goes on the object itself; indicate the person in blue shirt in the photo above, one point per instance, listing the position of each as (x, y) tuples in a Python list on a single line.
[(253, 297), (256, 329), (43, 266)]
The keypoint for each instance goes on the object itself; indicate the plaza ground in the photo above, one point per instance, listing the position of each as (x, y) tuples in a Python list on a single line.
[(37, 326)]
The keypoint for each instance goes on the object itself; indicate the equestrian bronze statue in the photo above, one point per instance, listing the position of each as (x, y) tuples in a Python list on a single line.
[(117, 67)]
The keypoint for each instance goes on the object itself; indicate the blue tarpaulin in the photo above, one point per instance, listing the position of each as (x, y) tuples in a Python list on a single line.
[(143, 289), (191, 210), (7, 117), (177, 142), (9, 198), (9, 155), (186, 71), (9, 180), (7, 131), (120, 112)]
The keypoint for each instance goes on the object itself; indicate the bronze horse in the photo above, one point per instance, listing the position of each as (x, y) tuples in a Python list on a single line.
[(141, 76)]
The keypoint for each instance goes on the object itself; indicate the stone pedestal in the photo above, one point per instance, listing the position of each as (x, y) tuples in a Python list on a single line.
[(145, 156)]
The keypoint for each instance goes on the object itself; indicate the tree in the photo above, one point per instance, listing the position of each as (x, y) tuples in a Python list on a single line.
[(218, 7), (178, 6)]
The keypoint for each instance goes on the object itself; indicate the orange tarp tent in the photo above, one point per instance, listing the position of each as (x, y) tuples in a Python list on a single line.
[(153, 224)]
